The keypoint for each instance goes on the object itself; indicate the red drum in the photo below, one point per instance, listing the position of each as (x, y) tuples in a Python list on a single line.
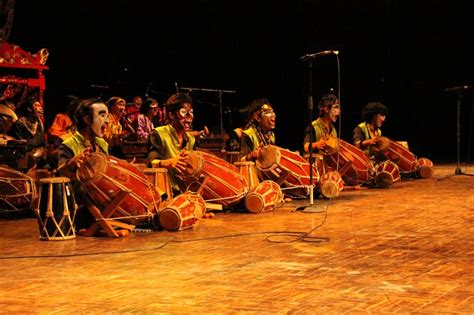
[(182, 212), (386, 174), (399, 154), (331, 184), (17, 190), (288, 169), (214, 178), (351, 162), (160, 179), (247, 170), (424, 168), (56, 209), (105, 176), (267, 196)]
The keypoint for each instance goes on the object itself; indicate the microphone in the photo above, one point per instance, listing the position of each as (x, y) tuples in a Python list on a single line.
[(458, 88), (319, 54), (99, 86), (176, 87)]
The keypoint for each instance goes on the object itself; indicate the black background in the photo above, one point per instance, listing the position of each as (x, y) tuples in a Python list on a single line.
[(401, 53)]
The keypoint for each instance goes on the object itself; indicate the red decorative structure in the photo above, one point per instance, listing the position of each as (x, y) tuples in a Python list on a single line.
[(13, 57)]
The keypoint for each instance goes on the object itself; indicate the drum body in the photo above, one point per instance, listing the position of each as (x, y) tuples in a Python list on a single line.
[(105, 176), (351, 162), (266, 196), (182, 212), (56, 209), (331, 184), (247, 170), (214, 178), (401, 156), (424, 168), (160, 179), (288, 169), (17, 191), (386, 174)]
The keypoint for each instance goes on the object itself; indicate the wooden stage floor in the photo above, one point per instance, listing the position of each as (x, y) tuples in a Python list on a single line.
[(406, 249)]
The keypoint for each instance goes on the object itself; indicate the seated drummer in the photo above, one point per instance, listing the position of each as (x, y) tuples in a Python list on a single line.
[(167, 144), (323, 126), (92, 118), (366, 134), (7, 118), (29, 127), (259, 130)]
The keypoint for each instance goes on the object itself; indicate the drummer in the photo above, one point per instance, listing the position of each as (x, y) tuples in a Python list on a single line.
[(323, 126), (92, 118), (367, 133), (259, 130), (167, 144)]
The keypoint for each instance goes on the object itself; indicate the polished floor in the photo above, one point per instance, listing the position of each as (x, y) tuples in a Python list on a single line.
[(406, 249)]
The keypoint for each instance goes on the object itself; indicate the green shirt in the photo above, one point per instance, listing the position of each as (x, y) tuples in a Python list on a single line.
[(252, 138), (319, 130), (75, 144), (361, 133), (164, 144)]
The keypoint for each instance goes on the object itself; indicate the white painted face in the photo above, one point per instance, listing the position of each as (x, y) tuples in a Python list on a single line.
[(334, 112), (100, 119), (185, 116), (378, 120), (267, 118)]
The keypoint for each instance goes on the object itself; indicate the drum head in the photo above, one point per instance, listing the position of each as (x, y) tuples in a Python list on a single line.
[(194, 164), (92, 169), (268, 156), (381, 146)]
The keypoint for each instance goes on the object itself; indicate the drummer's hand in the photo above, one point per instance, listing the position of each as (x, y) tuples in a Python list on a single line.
[(320, 144), (178, 163), (371, 141), (77, 161)]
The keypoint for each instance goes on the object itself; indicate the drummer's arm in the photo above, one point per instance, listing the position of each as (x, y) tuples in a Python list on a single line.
[(156, 155), (359, 139), (316, 145), (69, 163), (247, 152)]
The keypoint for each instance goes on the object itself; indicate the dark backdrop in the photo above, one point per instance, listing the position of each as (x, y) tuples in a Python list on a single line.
[(401, 53)]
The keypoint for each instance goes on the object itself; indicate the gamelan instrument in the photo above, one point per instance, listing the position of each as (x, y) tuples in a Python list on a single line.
[(266, 196), (386, 174), (214, 178), (351, 162), (17, 190), (407, 162), (104, 177), (56, 209), (288, 169), (182, 212)]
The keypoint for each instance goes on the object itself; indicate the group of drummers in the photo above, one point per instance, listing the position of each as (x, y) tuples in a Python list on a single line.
[(179, 183)]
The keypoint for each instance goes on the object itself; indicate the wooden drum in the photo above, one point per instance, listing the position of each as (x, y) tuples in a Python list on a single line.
[(56, 209), (182, 212)]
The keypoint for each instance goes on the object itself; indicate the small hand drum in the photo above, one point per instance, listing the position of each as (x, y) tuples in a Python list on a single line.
[(267, 196), (386, 174), (424, 168), (182, 212), (56, 209), (331, 184)]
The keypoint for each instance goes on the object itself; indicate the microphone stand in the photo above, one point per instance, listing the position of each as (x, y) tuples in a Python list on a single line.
[(310, 207), (458, 170), (221, 120)]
